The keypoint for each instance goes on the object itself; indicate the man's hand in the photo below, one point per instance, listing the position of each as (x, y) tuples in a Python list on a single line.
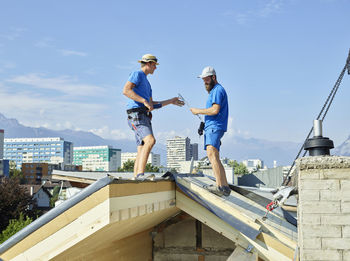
[(148, 105), (195, 111), (176, 101)]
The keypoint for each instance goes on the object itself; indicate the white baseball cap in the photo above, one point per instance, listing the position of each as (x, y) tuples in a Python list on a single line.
[(207, 71)]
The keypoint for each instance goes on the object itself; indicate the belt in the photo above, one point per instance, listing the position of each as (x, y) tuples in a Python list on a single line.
[(140, 110)]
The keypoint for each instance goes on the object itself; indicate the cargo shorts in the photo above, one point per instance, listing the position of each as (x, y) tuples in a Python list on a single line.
[(141, 124)]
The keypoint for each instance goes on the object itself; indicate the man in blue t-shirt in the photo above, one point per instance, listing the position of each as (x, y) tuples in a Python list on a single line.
[(140, 105), (216, 116)]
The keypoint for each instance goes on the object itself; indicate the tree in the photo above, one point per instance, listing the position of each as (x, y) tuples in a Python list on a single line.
[(54, 197), (14, 200), (239, 168), (151, 168), (16, 174), (14, 226), (128, 166)]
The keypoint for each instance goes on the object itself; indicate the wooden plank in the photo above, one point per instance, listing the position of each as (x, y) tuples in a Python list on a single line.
[(242, 255), (280, 236), (220, 203), (74, 179), (205, 216), (275, 244), (84, 206), (127, 189)]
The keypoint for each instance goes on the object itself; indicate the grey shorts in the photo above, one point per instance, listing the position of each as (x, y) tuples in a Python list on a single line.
[(141, 124)]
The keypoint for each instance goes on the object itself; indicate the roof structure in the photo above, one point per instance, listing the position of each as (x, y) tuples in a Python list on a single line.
[(114, 210)]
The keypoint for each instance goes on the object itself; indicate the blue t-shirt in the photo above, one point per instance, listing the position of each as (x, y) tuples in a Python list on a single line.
[(219, 121), (142, 88)]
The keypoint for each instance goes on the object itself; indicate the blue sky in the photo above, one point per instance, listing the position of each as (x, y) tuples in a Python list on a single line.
[(63, 64)]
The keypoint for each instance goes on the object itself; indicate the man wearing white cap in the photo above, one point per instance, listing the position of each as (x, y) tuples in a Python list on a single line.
[(140, 105), (216, 116)]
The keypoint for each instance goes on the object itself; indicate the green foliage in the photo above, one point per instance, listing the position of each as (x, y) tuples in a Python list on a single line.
[(239, 168), (14, 200), (54, 197), (14, 226), (151, 168), (16, 174), (128, 166)]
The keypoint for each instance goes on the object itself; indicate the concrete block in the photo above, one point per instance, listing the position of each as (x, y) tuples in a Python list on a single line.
[(346, 255), (339, 219), (345, 184), (213, 239), (330, 195), (215, 258), (174, 257), (312, 243), (310, 254), (346, 231), (307, 195), (311, 219), (319, 184), (335, 174), (335, 243), (311, 231), (182, 234), (319, 207), (345, 207), (310, 174)]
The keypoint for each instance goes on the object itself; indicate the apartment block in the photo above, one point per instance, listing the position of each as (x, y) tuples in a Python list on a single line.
[(153, 159), (38, 150), (97, 158), (34, 173), (253, 164), (1, 144), (180, 149)]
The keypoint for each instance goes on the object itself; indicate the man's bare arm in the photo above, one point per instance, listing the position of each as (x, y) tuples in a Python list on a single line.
[(213, 110), (129, 92)]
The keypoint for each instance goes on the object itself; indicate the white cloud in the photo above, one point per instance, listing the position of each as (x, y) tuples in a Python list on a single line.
[(6, 65), (270, 7), (129, 66), (13, 34), (115, 134), (64, 84), (33, 109), (44, 42), (162, 136), (71, 52)]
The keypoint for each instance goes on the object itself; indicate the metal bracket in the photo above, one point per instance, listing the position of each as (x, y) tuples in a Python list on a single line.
[(249, 248)]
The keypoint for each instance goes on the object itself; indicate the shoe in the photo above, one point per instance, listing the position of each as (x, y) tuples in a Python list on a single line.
[(140, 176), (226, 190), (215, 190)]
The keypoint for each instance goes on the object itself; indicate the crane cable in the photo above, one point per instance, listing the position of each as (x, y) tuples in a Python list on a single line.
[(329, 102)]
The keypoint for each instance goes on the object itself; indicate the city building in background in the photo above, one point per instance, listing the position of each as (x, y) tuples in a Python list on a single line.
[(97, 158), (4, 168), (1, 144), (253, 164), (34, 173), (34, 150), (180, 149), (153, 159), (4, 164)]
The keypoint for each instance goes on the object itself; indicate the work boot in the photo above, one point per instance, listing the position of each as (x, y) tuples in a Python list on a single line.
[(140, 176), (226, 190), (215, 190)]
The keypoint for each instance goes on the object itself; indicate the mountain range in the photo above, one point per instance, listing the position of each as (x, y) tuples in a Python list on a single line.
[(237, 148)]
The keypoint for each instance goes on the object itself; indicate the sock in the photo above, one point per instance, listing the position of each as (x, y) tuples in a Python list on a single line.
[(140, 174)]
